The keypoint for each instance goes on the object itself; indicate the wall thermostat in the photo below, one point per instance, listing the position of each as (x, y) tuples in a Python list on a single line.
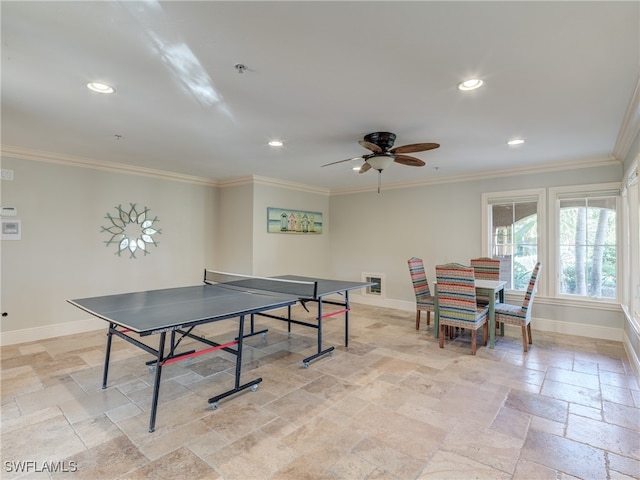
[(9, 211)]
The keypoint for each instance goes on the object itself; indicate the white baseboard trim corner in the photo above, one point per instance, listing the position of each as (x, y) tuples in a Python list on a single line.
[(633, 358), (50, 331)]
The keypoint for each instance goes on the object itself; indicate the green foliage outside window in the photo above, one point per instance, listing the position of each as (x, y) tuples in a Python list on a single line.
[(588, 247)]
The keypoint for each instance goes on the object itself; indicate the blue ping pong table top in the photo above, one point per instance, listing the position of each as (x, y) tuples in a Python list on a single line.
[(168, 309), (154, 311)]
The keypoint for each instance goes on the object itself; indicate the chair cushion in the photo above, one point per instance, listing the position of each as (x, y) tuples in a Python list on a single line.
[(512, 314), (449, 316)]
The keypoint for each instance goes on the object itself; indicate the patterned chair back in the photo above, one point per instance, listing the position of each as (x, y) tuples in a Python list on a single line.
[(418, 278), (456, 292), (531, 289), (486, 268)]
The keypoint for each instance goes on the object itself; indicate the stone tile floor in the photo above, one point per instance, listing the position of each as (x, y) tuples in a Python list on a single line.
[(390, 406)]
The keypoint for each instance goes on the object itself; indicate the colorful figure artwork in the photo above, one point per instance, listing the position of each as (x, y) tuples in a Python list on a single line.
[(282, 220)]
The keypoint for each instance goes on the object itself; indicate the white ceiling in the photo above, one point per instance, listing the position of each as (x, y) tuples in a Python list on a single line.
[(320, 75)]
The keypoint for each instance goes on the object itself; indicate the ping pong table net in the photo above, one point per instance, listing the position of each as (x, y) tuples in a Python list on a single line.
[(264, 285)]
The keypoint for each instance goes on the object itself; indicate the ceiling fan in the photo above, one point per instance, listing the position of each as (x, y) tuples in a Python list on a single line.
[(384, 153)]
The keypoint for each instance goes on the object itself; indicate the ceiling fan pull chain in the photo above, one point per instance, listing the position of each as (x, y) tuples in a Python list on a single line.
[(379, 179)]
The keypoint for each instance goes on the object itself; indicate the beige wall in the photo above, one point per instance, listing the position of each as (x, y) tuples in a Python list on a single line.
[(62, 253), (295, 254), (442, 223), (234, 230), (244, 246)]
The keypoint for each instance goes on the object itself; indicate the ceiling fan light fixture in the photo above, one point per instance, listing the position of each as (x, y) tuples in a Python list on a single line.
[(100, 87), (470, 84), (380, 162)]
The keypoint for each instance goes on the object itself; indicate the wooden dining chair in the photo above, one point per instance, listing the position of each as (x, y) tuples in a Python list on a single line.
[(424, 300), (520, 315), (457, 306)]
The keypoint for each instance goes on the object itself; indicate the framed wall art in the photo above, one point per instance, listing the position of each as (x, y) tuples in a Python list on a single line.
[(295, 222)]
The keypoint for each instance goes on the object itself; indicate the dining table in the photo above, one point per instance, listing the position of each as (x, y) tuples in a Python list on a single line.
[(484, 288)]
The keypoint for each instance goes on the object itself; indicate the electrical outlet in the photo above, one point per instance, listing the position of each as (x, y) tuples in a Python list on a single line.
[(7, 174)]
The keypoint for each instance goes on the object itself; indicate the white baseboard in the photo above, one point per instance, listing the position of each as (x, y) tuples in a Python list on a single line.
[(632, 353), (50, 331), (579, 329), (633, 358), (383, 302), (542, 324)]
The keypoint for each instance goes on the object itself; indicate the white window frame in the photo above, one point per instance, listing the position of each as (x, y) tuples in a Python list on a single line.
[(630, 264), (555, 195), (514, 196)]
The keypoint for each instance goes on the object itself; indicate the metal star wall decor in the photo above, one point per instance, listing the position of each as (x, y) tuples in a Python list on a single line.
[(131, 230)]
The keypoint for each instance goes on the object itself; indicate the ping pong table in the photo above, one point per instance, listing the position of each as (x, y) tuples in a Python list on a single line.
[(222, 296)]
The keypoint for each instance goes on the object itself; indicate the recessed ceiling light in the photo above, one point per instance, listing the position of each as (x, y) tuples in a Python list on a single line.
[(515, 141), (471, 84), (100, 87), (356, 168), (276, 143)]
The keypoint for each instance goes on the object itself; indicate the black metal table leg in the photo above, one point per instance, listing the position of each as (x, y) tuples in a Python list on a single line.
[(319, 352), (107, 356), (346, 318), (237, 387), (156, 384), (319, 324)]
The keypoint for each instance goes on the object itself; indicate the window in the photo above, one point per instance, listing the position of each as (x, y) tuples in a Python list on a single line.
[(512, 231), (580, 255), (585, 241), (587, 246)]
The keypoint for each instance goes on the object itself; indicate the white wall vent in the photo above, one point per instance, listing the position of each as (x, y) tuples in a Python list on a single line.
[(376, 290)]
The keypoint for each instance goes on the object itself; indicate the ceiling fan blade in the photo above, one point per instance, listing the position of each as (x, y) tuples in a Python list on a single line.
[(341, 161), (410, 161), (365, 167), (414, 147), (370, 146)]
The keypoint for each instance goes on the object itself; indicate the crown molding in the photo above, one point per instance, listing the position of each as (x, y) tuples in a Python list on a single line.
[(291, 185), (258, 180), (630, 125), (62, 159), (552, 167)]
